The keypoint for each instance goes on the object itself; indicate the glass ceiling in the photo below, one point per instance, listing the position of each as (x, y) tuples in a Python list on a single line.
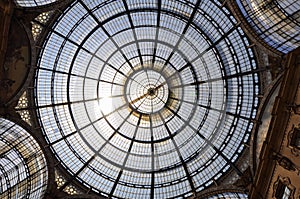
[(23, 170), (229, 195), (146, 99), (277, 21), (33, 3)]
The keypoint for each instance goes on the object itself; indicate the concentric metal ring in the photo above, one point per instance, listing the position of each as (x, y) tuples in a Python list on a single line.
[(147, 91), (147, 100)]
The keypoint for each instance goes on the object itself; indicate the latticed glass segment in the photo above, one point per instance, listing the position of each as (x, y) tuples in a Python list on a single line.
[(229, 195), (33, 3), (277, 21), (23, 170), (146, 99)]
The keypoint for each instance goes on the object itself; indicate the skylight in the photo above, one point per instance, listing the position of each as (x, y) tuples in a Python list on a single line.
[(23, 170), (33, 3), (140, 99)]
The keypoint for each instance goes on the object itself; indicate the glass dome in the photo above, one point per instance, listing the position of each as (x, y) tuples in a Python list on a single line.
[(23, 169), (146, 99)]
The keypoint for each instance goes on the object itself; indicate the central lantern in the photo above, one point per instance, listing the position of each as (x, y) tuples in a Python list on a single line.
[(146, 91), (146, 99)]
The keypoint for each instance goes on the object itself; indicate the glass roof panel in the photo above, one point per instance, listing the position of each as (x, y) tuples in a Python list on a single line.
[(23, 169), (277, 22), (159, 97), (33, 3), (229, 195)]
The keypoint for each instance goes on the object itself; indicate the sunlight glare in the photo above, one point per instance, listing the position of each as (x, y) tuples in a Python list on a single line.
[(105, 105)]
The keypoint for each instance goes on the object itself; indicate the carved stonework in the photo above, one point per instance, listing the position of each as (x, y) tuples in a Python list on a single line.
[(286, 163), (5, 84), (293, 108), (283, 181), (295, 151)]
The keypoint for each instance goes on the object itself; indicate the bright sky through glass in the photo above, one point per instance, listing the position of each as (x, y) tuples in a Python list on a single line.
[(33, 3), (144, 99), (23, 172)]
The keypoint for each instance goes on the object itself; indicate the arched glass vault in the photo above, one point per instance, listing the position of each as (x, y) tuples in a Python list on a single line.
[(146, 99), (229, 195), (277, 22), (23, 170), (33, 3)]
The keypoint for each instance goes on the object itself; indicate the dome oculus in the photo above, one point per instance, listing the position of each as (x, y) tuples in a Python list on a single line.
[(146, 91)]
